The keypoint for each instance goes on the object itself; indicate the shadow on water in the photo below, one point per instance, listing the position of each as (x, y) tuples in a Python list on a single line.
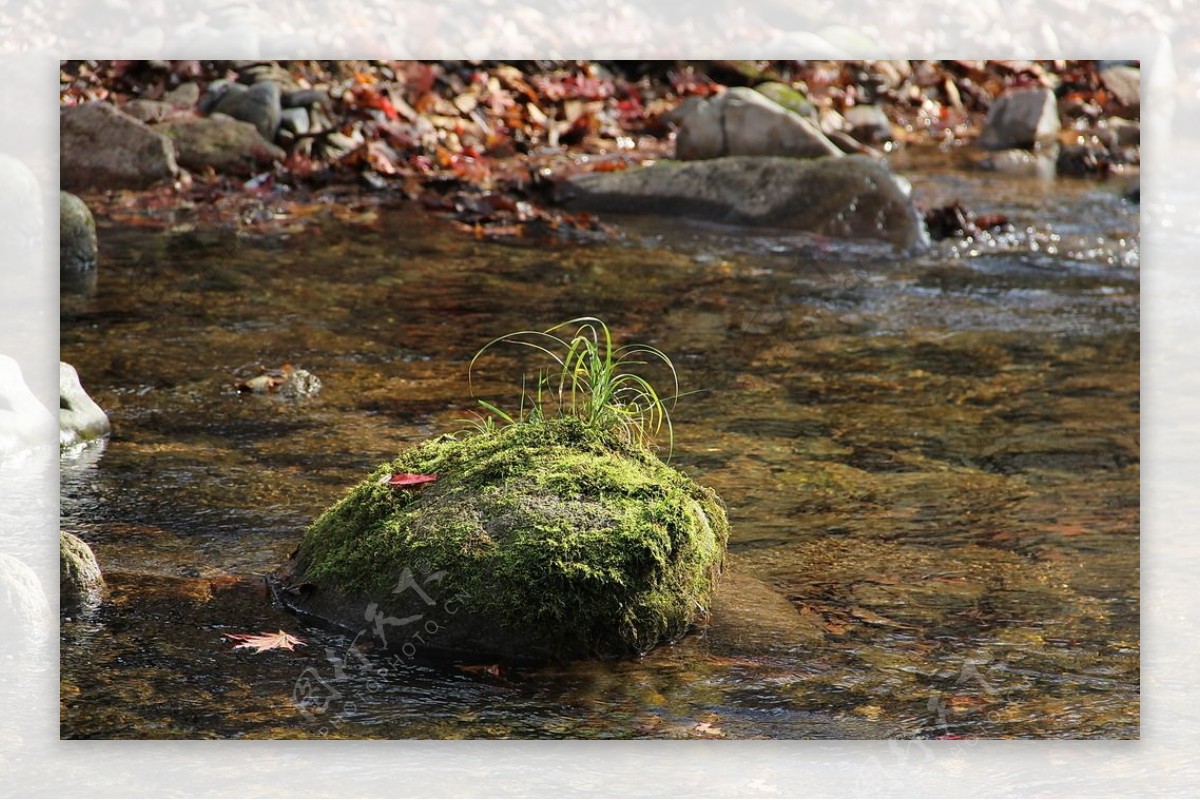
[(931, 467)]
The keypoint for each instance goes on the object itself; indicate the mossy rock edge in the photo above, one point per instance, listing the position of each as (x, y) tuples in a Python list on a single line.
[(548, 540)]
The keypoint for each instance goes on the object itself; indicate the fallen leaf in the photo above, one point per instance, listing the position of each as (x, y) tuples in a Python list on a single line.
[(409, 479), (262, 642), (707, 729)]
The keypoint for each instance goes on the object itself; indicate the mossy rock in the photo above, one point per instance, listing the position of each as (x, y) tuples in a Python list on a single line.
[(80, 581), (547, 540), (790, 98)]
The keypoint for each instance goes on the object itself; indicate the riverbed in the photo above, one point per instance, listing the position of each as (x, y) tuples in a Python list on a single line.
[(931, 466)]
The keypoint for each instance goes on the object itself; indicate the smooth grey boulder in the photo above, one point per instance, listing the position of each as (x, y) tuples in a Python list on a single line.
[(103, 148), (25, 424), (260, 104), (223, 143), (743, 122), (869, 124), (185, 95), (76, 235), (853, 197), (1021, 118), (1125, 84), (79, 418), (80, 581)]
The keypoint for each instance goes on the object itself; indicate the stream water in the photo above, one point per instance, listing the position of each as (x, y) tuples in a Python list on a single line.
[(931, 466)]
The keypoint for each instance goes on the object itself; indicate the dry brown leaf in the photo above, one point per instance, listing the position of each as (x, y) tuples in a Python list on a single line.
[(262, 642)]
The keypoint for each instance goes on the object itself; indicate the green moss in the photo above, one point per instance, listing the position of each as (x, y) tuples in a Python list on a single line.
[(557, 532)]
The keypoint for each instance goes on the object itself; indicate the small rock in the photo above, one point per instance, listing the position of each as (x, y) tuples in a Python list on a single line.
[(79, 418), (1021, 118), (259, 105), (1082, 161), (742, 122), (1128, 133), (185, 95), (869, 124), (1125, 85), (76, 235), (1018, 162), (80, 581), (294, 120), (223, 143), (300, 383), (830, 121), (102, 147)]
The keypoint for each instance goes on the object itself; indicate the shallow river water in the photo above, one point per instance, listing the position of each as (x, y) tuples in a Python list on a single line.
[(931, 466)]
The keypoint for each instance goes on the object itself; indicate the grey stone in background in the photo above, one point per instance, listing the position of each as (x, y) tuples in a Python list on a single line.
[(854, 197), (102, 147), (742, 122), (1125, 84), (869, 124), (260, 104), (221, 142), (79, 418), (295, 120), (1021, 118), (77, 250), (80, 581), (185, 95)]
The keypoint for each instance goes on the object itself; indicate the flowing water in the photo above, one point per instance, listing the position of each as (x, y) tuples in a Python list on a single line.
[(930, 463)]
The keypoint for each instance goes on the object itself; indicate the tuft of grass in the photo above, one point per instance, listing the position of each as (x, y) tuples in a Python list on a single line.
[(588, 378)]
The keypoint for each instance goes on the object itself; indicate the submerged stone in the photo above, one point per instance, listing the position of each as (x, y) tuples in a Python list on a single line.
[(537, 541)]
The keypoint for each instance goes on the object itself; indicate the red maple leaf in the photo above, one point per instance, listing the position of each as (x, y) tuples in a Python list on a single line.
[(264, 641), (410, 479)]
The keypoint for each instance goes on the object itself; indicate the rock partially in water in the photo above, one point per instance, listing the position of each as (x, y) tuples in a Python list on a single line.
[(743, 122), (750, 617), (77, 248), (1021, 118), (227, 145), (80, 581), (79, 418), (854, 197), (547, 540), (102, 147)]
